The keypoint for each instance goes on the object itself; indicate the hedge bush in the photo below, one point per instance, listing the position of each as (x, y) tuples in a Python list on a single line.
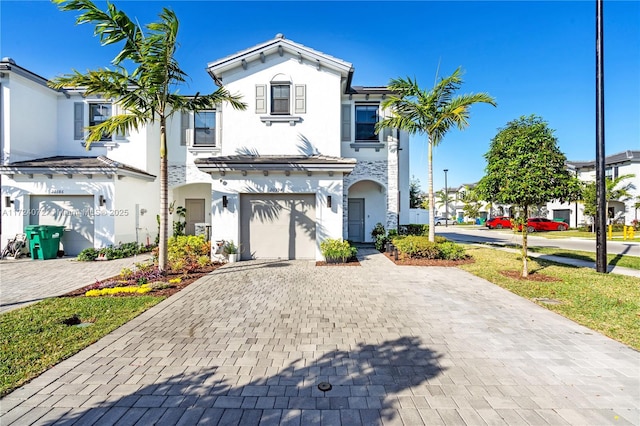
[(413, 229), (111, 252), (337, 251), (414, 246)]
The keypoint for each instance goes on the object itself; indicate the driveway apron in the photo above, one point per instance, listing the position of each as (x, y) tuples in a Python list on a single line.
[(251, 343)]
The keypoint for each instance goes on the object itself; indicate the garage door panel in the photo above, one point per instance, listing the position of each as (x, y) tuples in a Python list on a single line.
[(72, 212), (277, 226)]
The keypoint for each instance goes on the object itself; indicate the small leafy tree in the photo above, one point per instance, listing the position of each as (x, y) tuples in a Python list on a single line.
[(415, 196), (526, 168)]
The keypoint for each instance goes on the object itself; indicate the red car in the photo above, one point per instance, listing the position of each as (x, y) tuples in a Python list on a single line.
[(543, 224), (498, 222)]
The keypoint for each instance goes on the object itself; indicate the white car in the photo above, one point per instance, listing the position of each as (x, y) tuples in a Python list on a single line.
[(439, 220)]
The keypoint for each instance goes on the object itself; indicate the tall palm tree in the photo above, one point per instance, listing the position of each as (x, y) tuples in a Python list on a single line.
[(148, 93), (430, 112)]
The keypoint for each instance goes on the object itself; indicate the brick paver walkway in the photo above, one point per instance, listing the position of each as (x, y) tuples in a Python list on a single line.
[(250, 343)]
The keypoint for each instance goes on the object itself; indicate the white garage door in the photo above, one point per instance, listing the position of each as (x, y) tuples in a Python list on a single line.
[(278, 226), (74, 212)]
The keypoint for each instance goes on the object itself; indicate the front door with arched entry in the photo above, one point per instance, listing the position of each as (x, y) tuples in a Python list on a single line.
[(355, 218)]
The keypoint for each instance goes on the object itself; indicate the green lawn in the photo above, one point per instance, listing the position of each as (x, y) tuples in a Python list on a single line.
[(607, 303), (34, 338), (632, 262)]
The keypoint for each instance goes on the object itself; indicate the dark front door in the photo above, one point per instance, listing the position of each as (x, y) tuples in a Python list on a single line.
[(195, 214), (355, 217)]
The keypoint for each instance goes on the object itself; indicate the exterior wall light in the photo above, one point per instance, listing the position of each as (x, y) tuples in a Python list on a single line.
[(225, 201), (102, 201), (329, 201)]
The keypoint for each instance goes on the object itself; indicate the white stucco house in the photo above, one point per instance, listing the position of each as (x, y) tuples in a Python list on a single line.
[(620, 211), (616, 165), (300, 165)]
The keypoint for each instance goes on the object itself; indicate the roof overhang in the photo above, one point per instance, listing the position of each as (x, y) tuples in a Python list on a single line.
[(278, 46), (69, 166), (266, 164)]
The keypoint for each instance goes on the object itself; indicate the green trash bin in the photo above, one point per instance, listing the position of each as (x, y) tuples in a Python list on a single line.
[(44, 240)]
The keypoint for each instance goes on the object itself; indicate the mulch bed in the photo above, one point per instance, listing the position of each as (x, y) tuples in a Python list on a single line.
[(536, 277), (353, 261), (428, 262), (187, 279)]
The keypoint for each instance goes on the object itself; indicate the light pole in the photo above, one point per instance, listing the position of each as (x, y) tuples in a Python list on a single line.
[(446, 200)]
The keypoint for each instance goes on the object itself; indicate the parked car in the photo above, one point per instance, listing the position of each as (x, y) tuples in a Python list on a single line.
[(543, 224), (439, 220), (498, 222)]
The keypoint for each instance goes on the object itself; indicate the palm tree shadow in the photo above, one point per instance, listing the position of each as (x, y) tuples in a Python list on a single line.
[(364, 384)]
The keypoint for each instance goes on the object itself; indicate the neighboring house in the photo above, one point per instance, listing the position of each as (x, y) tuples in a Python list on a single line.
[(623, 163), (300, 165)]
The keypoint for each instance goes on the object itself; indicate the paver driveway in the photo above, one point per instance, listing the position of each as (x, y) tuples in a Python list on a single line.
[(250, 343)]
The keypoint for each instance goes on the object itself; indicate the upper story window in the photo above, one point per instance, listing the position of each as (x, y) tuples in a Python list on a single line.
[(98, 113), (280, 98), (366, 119), (205, 128)]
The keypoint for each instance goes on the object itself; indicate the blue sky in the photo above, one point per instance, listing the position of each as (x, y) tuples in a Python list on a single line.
[(533, 57)]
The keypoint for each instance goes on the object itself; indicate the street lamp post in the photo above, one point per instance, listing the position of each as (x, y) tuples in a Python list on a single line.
[(446, 200)]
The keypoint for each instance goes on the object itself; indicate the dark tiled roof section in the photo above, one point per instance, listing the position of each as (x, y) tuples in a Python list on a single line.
[(621, 157), (67, 163)]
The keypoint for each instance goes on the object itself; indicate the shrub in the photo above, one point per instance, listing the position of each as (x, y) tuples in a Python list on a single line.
[(187, 249), (413, 229), (451, 251), (337, 251), (378, 234), (414, 246), (118, 252), (417, 246)]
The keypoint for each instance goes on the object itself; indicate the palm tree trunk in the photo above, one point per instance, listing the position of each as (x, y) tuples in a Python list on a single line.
[(164, 204), (432, 219), (525, 231)]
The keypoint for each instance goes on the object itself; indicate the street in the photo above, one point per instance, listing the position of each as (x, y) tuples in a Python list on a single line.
[(484, 235)]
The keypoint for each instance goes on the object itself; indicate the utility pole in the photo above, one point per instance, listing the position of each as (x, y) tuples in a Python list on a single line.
[(601, 206)]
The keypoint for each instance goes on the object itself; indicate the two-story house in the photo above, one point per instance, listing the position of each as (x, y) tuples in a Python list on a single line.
[(302, 164), (616, 165)]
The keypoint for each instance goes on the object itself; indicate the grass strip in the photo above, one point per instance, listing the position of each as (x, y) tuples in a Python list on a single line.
[(632, 262), (35, 338), (606, 303)]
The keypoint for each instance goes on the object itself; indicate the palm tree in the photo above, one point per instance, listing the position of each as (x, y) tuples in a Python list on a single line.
[(615, 190), (444, 199), (148, 93), (430, 112)]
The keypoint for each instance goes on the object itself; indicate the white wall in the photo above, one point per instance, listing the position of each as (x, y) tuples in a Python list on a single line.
[(319, 129), (129, 192), (30, 119)]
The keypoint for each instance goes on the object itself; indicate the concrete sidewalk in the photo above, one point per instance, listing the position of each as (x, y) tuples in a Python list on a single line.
[(250, 343), (574, 262), (26, 281)]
